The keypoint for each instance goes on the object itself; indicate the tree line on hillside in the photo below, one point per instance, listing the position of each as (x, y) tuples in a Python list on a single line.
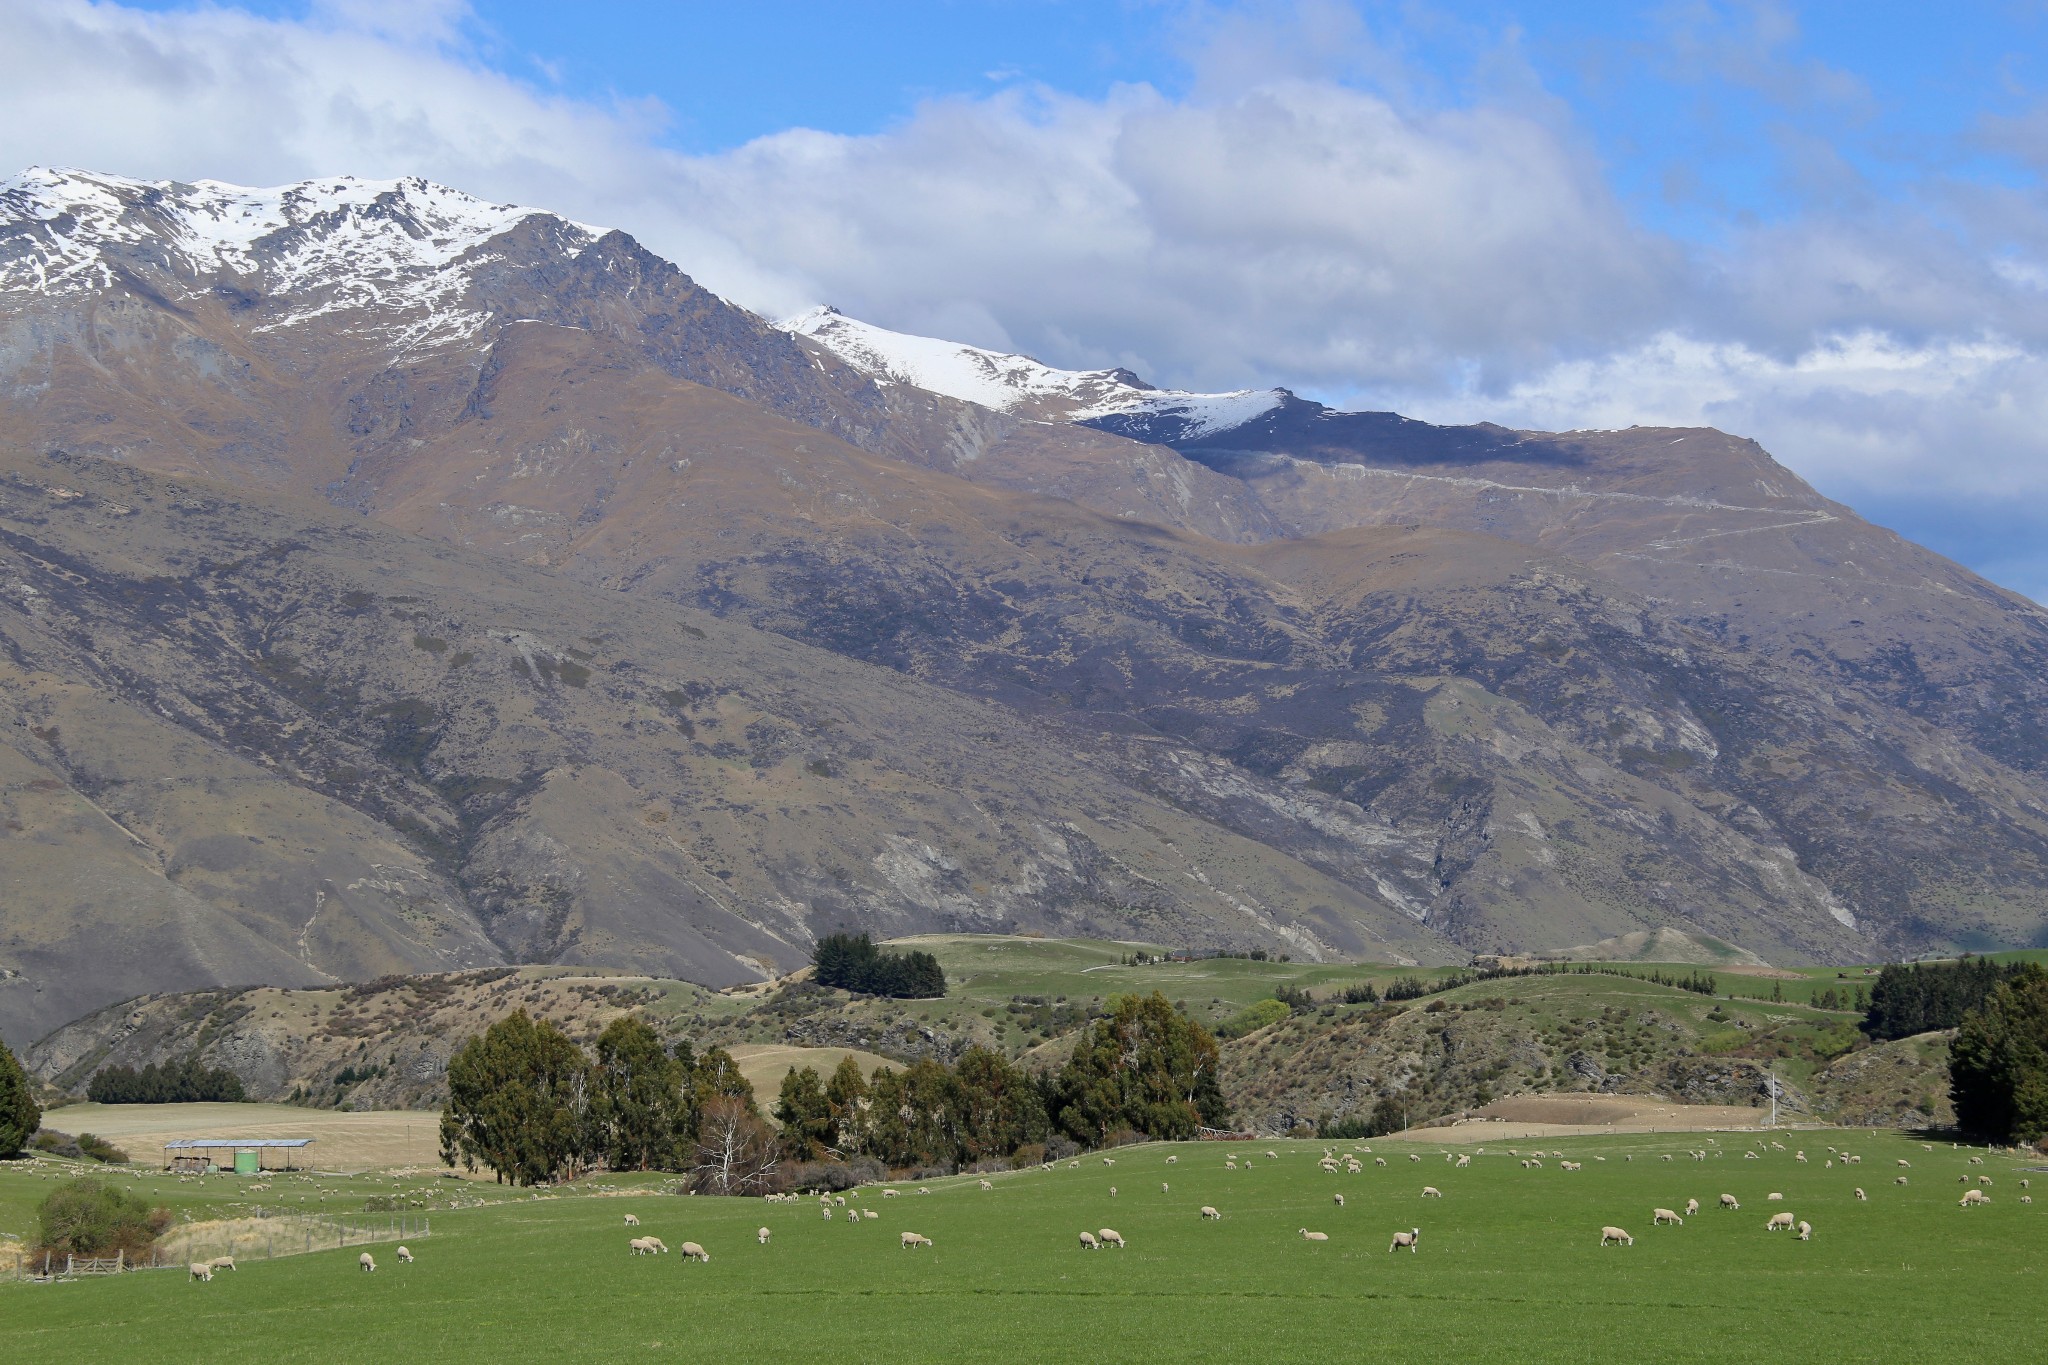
[(20, 1115), (1998, 1063), (1906, 1000), (529, 1104), (852, 962), (185, 1080)]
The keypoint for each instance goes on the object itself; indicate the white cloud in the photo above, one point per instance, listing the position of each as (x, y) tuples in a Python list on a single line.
[(1277, 226)]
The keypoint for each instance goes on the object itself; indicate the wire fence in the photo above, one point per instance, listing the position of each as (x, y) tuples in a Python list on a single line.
[(233, 1240)]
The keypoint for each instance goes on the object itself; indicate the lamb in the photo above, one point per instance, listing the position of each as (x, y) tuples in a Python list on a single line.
[(1777, 1221), (761, 1235), (1209, 1211), (692, 1252), (1983, 1180), (1805, 1231), (202, 1270), (1616, 1235), (1658, 1217), (1799, 1156), (1088, 1242), (1900, 1181), (1728, 1202), (222, 1263), (1111, 1237), (1379, 1161), (1407, 1239), (986, 1185), (1112, 1191), (1692, 1206), (1973, 1197), (1464, 1160), (826, 1209), (404, 1255), (1340, 1200), (840, 1200), (1109, 1161), (1431, 1192), (890, 1194), (1413, 1157), (911, 1239), (1308, 1236), (869, 1213), (632, 1220), (367, 1261)]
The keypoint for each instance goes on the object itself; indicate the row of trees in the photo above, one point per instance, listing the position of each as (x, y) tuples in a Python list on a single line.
[(1998, 1063), (20, 1115), (527, 1103), (1144, 1068), (1931, 995), (183, 1081), (852, 962)]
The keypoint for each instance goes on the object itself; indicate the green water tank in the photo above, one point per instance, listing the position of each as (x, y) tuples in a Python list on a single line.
[(246, 1162)]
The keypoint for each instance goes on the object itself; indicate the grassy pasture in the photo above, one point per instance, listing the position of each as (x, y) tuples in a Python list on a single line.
[(1509, 1270)]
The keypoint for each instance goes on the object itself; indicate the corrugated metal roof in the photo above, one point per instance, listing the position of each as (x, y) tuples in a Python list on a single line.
[(180, 1143)]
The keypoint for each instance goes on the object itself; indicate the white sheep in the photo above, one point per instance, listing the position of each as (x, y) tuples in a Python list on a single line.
[(1464, 1160), (2026, 1199), (1088, 1242), (1413, 1157), (222, 1263), (1658, 1217), (761, 1235), (1379, 1161), (1173, 1161), (632, 1220), (1774, 1197), (1778, 1221), (1109, 1161), (640, 1246), (986, 1185), (1900, 1181), (1617, 1235), (1112, 1191), (1308, 1236), (1983, 1180), (1728, 1201), (1805, 1231), (690, 1251), (1904, 1164), (1272, 1156), (1431, 1192), (1971, 1197), (1860, 1195), (1111, 1238), (1209, 1211), (202, 1270), (1407, 1239), (1692, 1206), (367, 1261), (869, 1213), (1340, 1200), (826, 1209), (912, 1239)]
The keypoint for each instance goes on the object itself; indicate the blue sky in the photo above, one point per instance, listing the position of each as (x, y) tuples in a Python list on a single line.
[(1821, 224)]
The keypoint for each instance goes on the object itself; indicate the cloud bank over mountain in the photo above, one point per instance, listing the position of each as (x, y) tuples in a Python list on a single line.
[(1283, 221)]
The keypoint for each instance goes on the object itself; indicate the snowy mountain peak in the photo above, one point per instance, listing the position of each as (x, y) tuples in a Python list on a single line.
[(1017, 383), (337, 243)]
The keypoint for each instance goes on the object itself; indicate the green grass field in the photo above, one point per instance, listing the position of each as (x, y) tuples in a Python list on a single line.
[(1509, 1270)]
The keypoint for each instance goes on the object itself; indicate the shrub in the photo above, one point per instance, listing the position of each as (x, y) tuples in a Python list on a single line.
[(88, 1217), (1030, 1154), (1253, 1018)]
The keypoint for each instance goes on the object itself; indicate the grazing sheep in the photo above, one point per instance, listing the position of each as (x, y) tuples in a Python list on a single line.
[(1900, 1181), (911, 1239), (1774, 1198), (201, 1270), (1379, 1161), (1340, 1200), (1407, 1239), (1665, 1157), (1976, 1161), (1112, 1191), (827, 1211), (1109, 1161), (1973, 1197), (1173, 1161), (367, 1261), (869, 1213), (1464, 1160), (1308, 1236), (1272, 1156), (1209, 1211), (761, 1235), (1413, 1157), (1232, 1165), (1777, 1221), (1799, 1156), (1903, 1163), (692, 1252), (2026, 1199), (404, 1255), (1751, 1156), (641, 1246), (632, 1220), (222, 1263), (1165, 1188), (2026, 1183), (1861, 1197), (1983, 1180), (840, 1200), (1088, 1242), (1805, 1231), (1692, 1206), (986, 1185), (1658, 1217), (1431, 1192), (1728, 1202), (1616, 1235), (1111, 1238), (890, 1194)]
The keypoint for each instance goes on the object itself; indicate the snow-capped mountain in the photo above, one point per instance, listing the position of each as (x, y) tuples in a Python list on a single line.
[(401, 250), (1114, 399)]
